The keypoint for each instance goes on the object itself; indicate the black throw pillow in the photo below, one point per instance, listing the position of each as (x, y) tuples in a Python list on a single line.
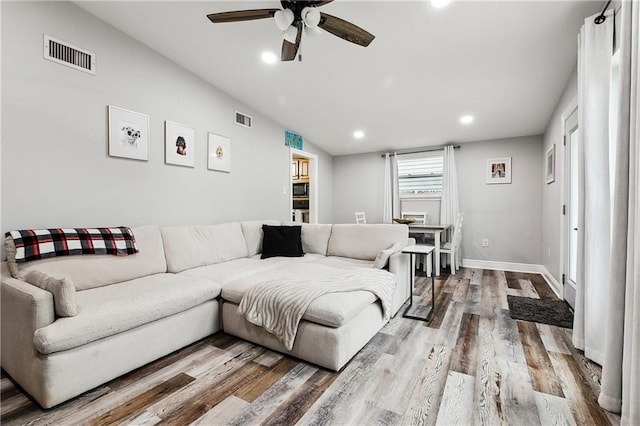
[(281, 241)]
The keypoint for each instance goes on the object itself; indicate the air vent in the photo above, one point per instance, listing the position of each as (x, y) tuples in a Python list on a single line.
[(243, 119), (66, 54)]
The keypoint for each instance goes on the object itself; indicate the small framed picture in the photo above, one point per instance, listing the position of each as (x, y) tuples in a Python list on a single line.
[(128, 134), (219, 157), (179, 144), (551, 164), (499, 170)]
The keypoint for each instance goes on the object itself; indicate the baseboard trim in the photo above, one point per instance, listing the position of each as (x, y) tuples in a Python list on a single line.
[(516, 267)]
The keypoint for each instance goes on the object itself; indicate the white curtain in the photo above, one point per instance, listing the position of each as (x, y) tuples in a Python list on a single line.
[(449, 203), (594, 234), (391, 195), (387, 198), (395, 189), (620, 388)]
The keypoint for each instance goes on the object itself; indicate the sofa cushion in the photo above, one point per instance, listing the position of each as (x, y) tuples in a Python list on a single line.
[(96, 270), (281, 241), (64, 293), (344, 262), (252, 231), (192, 246), (315, 237), (109, 310), (365, 241), (332, 310)]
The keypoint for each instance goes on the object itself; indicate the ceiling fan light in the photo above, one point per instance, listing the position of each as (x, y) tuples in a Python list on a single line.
[(310, 16), (312, 31), (290, 34), (283, 18)]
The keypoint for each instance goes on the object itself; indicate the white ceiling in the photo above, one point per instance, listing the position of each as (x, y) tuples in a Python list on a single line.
[(506, 63)]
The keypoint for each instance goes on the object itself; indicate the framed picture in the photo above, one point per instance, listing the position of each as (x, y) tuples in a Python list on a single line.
[(179, 144), (128, 134), (292, 140), (551, 164), (219, 157), (499, 170)]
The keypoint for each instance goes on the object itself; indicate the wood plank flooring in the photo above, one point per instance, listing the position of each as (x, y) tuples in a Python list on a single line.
[(472, 364)]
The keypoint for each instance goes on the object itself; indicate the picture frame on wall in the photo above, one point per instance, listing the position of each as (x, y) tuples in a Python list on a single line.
[(179, 144), (219, 153), (499, 170), (550, 167), (128, 135)]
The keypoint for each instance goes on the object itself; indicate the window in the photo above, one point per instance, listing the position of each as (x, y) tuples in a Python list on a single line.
[(420, 175)]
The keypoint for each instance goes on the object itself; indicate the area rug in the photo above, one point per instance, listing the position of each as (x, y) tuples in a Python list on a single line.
[(552, 312)]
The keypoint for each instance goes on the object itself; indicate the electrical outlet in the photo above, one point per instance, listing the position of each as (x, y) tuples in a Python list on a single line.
[(485, 242)]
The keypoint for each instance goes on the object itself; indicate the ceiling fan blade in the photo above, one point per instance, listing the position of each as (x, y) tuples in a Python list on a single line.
[(241, 15), (289, 49), (345, 30)]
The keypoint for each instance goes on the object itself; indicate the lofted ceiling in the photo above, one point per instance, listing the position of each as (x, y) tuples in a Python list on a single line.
[(505, 62)]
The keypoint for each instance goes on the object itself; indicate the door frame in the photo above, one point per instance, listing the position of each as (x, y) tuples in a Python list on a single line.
[(564, 193), (314, 177)]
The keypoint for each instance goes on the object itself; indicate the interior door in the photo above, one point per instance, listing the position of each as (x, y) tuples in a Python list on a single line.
[(571, 207)]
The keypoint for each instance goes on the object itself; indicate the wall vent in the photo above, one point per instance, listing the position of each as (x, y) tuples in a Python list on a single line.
[(243, 119), (66, 54)]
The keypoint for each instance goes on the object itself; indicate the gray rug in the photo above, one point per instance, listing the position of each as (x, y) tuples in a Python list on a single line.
[(552, 312)]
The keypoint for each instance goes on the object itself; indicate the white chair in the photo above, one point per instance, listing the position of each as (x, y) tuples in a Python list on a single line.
[(420, 218), (360, 218), (452, 248)]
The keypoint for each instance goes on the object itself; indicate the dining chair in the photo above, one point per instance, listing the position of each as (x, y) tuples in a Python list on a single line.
[(420, 218), (452, 248), (360, 218)]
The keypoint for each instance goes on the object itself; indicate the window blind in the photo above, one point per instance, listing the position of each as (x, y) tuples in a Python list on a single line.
[(420, 174)]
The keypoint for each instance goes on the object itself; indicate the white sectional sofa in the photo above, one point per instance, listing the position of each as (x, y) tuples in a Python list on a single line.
[(185, 284)]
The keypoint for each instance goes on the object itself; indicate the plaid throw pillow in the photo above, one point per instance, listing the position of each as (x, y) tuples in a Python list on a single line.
[(34, 244)]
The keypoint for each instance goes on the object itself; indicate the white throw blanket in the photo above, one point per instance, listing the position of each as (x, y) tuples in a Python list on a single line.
[(279, 305)]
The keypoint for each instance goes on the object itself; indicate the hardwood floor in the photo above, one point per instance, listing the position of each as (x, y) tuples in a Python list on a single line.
[(472, 364)]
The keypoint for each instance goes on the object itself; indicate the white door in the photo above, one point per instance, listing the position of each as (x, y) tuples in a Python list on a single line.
[(571, 207)]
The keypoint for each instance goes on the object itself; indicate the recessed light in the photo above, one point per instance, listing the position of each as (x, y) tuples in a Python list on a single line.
[(466, 119), (269, 57), (439, 4), (358, 134)]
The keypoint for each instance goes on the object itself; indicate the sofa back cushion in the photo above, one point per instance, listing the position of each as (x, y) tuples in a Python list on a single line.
[(365, 241), (192, 246), (96, 270), (252, 231), (315, 238)]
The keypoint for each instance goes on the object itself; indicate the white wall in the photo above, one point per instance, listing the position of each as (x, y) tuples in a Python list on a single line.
[(55, 167), (357, 186), (552, 193), (508, 215)]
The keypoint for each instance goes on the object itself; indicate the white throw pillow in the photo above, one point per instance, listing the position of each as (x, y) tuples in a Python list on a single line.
[(63, 290), (383, 256)]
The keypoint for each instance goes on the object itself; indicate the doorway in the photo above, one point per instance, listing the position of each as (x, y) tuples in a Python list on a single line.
[(303, 202), (570, 209)]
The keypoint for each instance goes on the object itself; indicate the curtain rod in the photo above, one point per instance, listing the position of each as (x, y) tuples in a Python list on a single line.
[(601, 18), (435, 148)]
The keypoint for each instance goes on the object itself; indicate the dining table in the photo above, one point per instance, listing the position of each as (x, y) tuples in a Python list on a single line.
[(435, 229)]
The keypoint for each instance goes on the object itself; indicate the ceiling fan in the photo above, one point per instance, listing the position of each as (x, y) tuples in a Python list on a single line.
[(295, 16)]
